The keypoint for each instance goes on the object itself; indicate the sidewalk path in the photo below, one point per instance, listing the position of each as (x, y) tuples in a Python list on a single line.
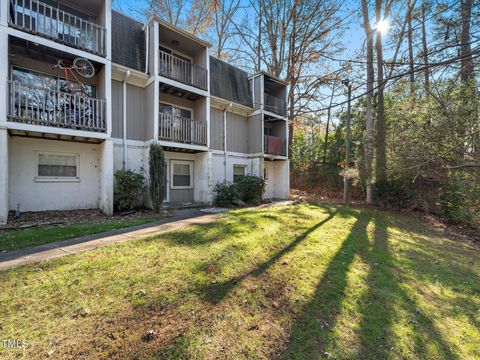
[(178, 220)]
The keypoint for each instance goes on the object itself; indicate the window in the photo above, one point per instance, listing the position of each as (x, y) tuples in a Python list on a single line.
[(175, 111), (265, 173), (182, 176), (57, 166), (238, 172), (39, 84)]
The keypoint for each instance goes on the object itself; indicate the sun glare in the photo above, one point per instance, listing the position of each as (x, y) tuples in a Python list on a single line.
[(383, 26)]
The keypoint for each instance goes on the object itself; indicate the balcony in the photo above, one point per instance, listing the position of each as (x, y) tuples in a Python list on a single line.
[(37, 105), (274, 145), (182, 130), (42, 19), (181, 70), (275, 105)]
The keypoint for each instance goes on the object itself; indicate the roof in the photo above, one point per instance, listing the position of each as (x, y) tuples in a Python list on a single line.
[(270, 76), (229, 82), (128, 42), (181, 31)]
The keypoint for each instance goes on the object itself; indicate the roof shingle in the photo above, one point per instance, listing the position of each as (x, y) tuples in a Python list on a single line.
[(229, 82), (128, 42)]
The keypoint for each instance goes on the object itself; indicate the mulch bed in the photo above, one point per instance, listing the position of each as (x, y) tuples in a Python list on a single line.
[(68, 217)]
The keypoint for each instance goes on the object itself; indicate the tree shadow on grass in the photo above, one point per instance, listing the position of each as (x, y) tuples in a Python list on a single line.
[(235, 224), (380, 304), (312, 334), (309, 335), (215, 293)]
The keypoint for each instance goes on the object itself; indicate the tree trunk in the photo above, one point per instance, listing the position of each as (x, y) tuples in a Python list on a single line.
[(380, 152), (426, 72), (466, 70), (329, 112), (258, 65), (369, 141), (410, 47), (291, 78)]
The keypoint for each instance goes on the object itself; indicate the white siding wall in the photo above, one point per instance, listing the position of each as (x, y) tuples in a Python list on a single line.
[(39, 196), (135, 156), (218, 174), (278, 183)]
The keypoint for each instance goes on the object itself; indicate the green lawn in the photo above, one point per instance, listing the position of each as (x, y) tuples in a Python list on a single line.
[(18, 239), (292, 282)]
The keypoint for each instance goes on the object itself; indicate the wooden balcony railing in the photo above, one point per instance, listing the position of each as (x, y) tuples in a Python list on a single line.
[(274, 145), (182, 130), (36, 105), (181, 70), (275, 105), (48, 21)]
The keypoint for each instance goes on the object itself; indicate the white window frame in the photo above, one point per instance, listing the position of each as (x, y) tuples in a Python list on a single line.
[(39, 178), (172, 166), (243, 166)]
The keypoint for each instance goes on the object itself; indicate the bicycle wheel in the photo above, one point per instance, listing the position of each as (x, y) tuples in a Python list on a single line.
[(83, 67)]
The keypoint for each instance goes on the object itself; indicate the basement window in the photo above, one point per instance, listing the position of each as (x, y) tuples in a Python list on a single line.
[(238, 172), (57, 167)]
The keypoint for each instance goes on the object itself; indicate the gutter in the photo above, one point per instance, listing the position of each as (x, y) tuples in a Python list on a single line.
[(147, 45), (124, 118), (225, 141)]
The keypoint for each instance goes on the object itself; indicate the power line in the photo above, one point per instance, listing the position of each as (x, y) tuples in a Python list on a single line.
[(386, 62), (476, 52)]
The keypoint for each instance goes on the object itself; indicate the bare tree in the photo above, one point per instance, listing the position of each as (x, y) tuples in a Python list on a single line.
[(200, 19), (168, 10), (223, 15), (194, 16)]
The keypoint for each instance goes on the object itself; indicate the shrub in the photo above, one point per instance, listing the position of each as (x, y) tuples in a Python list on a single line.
[(251, 188), (225, 193), (454, 202), (127, 190), (157, 169), (395, 194)]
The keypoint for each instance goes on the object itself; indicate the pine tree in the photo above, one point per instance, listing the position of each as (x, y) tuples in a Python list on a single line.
[(157, 167)]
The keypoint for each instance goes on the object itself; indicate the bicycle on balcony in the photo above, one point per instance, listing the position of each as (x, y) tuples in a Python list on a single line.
[(74, 98)]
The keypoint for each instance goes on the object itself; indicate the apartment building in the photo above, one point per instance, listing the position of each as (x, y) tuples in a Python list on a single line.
[(152, 83)]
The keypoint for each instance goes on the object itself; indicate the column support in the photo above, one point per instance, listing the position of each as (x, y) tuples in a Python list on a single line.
[(4, 198), (106, 177)]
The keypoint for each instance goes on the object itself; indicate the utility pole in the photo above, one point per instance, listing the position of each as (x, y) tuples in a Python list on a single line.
[(346, 181)]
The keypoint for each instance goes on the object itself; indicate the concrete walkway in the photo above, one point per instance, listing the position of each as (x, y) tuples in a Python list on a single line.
[(178, 220)]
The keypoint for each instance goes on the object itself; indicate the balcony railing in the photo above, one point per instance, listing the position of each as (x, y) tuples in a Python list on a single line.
[(182, 130), (275, 105), (274, 145), (50, 107), (40, 18), (181, 70)]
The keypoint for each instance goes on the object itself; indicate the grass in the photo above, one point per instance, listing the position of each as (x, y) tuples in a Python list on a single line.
[(18, 239), (292, 282)]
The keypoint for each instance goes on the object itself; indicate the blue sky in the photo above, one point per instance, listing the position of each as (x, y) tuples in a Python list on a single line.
[(352, 38)]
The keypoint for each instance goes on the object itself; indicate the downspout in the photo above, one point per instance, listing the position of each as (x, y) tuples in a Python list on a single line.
[(124, 116), (225, 141), (147, 48)]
